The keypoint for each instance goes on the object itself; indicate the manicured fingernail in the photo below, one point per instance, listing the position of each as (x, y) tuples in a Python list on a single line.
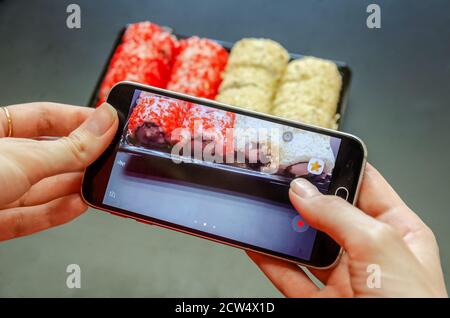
[(101, 120), (304, 188)]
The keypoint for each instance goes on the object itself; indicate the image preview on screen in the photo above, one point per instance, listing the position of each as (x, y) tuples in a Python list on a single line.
[(144, 180)]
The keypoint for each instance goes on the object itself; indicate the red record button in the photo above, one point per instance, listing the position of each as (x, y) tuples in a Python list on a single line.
[(299, 225)]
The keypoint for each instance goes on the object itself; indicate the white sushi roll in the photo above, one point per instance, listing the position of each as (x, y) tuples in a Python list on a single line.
[(301, 146), (257, 140), (310, 67), (309, 92), (305, 113), (279, 147), (237, 77), (315, 92), (263, 53), (248, 97)]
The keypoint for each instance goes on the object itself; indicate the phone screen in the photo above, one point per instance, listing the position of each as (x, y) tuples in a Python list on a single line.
[(218, 173)]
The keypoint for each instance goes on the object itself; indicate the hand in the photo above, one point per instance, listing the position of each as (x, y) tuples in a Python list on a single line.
[(40, 181), (381, 231)]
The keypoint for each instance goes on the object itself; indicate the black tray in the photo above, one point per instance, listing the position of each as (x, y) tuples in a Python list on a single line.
[(343, 68)]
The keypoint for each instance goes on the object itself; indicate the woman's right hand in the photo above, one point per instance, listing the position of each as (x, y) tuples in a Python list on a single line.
[(382, 233)]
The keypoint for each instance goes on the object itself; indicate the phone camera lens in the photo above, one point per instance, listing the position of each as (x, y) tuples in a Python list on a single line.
[(349, 164)]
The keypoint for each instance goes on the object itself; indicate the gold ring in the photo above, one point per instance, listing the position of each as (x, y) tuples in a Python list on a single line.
[(9, 120)]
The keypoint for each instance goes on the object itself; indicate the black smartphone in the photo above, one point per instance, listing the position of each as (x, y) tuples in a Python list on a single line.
[(220, 172)]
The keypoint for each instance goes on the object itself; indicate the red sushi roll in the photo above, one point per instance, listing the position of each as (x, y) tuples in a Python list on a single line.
[(145, 55), (198, 67), (209, 130), (209, 123), (141, 32), (154, 118)]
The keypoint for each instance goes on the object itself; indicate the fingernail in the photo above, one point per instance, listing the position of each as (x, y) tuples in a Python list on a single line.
[(304, 188), (101, 120)]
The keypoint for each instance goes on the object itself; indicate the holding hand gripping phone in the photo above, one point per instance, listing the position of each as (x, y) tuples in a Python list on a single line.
[(220, 172), (381, 233)]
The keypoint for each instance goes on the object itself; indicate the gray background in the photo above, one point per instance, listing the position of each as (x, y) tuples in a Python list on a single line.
[(399, 105)]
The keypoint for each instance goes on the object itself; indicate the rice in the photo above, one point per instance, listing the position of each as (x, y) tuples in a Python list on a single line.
[(305, 113), (263, 53), (240, 76), (248, 97), (317, 92), (309, 92)]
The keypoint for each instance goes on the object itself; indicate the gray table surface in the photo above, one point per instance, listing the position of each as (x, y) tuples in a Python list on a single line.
[(399, 105)]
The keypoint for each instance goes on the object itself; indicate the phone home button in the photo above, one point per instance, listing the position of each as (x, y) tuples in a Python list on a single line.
[(342, 192)]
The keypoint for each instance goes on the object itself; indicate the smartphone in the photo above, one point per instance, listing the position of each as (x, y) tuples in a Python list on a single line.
[(220, 172)]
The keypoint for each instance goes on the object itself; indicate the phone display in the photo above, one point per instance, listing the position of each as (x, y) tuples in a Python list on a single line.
[(222, 173)]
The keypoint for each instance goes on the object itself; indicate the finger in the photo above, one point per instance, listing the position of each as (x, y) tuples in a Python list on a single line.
[(287, 277), (376, 195), (338, 276), (13, 140), (380, 200), (27, 220), (321, 274), (49, 189), (336, 217), (24, 164), (43, 119)]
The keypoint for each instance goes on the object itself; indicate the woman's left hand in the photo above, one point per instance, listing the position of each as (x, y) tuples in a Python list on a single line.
[(40, 180)]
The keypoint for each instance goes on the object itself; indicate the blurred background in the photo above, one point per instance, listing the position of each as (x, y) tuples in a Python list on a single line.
[(399, 105)]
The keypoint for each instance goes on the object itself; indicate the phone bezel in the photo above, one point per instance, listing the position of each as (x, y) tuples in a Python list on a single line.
[(325, 252)]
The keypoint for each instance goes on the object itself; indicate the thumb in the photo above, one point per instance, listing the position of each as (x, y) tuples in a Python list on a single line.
[(74, 152), (343, 222)]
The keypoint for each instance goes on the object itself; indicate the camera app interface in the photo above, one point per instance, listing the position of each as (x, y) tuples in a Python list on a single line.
[(218, 173)]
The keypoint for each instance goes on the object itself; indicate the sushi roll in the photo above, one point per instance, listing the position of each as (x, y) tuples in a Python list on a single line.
[(263, 53), (239, 77), (256, 143), (145, 55), (306, 113), (203, 134), (198, 67), (301, 146), (141, 32), (309, 92), (277, 149), (248, 97), (252, 73), (159, 122), (208, 123), (310, 67), (153, 120)]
